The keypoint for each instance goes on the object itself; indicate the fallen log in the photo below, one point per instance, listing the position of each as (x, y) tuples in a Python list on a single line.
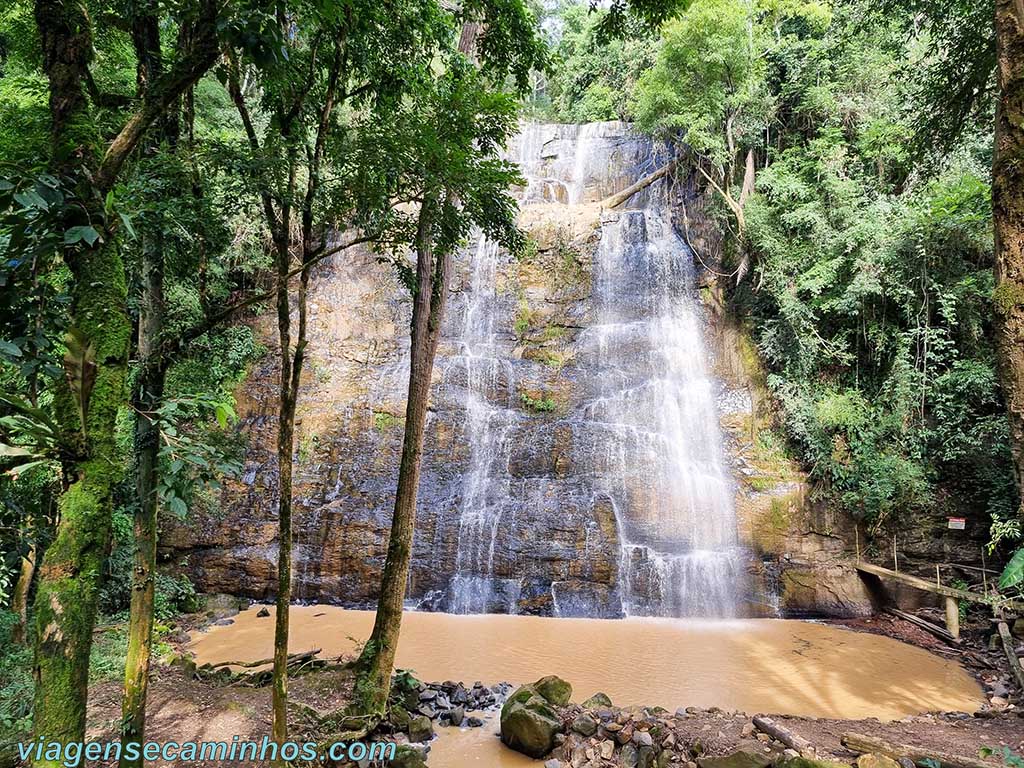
[(614, 201), (862, 744), (293, 659), (940, 632), (781, 733), (1011, 653)]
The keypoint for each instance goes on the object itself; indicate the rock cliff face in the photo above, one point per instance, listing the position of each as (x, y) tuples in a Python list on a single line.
[(580, 458)]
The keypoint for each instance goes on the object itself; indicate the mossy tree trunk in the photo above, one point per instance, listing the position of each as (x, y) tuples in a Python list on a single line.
[(71, 573), (146, 399), (1008, 216), (374, 666)]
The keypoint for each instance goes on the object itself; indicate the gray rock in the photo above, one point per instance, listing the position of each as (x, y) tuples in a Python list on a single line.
[(584, 725), (642, 739), (597, 700), (408, 757), (456, 716), (629, 757), (421, 729), (553, 763)]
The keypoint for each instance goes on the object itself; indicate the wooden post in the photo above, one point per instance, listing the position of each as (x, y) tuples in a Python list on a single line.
[(953, 616), (984, 572), (895, 560)]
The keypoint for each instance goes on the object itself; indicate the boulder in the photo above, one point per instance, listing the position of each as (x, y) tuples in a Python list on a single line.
[(221, 606), (421, 729), (584, 725), (529, 722), (597, 701), (806, 762), (408, 757), (876, 761), (742, 759), (554, 689)]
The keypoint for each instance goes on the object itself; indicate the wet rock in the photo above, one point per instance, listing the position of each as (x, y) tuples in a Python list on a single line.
[(553, 763), (263, 613), (629, 757), (456, 716), (474, 722), (421, 729)]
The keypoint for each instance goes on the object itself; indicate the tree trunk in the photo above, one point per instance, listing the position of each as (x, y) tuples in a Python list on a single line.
[(374, 666), (146, 399), (71, 573), (1008, 216), (285, 444), (19, 600)]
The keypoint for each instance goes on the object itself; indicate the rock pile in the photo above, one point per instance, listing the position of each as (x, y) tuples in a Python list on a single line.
[(539, 721)]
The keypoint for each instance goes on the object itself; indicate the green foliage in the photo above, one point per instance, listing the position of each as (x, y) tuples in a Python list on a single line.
[(542, 404), (708, 82), (593, 79), (1008, 757), (173, 595), (1013, 576), (109, 645), (383, 421), (190, 457), (16, 685)]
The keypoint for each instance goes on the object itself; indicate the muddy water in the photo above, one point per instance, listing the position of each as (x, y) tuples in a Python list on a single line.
[(759, 665)]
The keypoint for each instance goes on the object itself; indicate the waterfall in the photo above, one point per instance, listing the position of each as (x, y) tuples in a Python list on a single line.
[(489, 422), (646, 431), (663, 458)]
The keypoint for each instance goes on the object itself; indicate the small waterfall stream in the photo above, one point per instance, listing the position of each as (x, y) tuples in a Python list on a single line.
[(647, 425)]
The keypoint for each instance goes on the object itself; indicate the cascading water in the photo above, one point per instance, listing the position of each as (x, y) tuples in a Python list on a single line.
[(649, 444), (489, 422), (662, 462)]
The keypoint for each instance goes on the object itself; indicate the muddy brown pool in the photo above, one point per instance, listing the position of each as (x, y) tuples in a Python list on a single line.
[(755, 665)]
